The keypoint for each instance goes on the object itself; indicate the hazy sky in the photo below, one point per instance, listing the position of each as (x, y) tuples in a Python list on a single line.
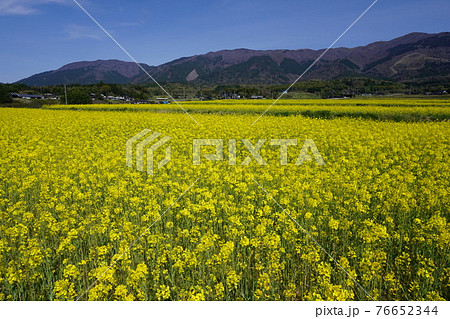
[(41, 35)]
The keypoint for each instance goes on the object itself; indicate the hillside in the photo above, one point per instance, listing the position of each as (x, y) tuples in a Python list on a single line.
[(413, 57)]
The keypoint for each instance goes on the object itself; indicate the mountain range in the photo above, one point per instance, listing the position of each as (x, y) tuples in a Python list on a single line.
[(413, 57)]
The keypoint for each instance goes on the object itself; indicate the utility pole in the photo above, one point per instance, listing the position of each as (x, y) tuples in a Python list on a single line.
[(65, 92)]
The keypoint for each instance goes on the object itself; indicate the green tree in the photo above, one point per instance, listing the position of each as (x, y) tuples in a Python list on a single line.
[(5, 97), (78, 96), (105, 89)]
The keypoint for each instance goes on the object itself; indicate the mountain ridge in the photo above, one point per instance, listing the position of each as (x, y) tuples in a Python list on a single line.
[(412, 57)]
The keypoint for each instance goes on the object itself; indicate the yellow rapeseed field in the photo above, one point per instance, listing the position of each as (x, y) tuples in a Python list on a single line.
[(70, 207), (378, 109)]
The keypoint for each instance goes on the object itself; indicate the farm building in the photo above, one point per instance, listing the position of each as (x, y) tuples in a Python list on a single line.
[(27, 96)]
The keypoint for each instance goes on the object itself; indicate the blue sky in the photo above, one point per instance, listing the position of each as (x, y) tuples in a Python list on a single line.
[(41, 35)]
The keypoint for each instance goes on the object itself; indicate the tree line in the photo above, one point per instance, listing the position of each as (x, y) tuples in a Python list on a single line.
[(102, 92)]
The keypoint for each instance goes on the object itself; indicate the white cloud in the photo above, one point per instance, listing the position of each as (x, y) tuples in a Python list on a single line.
[(24, 7), (76, 32)]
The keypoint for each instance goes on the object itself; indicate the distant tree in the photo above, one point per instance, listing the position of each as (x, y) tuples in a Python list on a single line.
[(78, 96), (105, 89), (5, 97)]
